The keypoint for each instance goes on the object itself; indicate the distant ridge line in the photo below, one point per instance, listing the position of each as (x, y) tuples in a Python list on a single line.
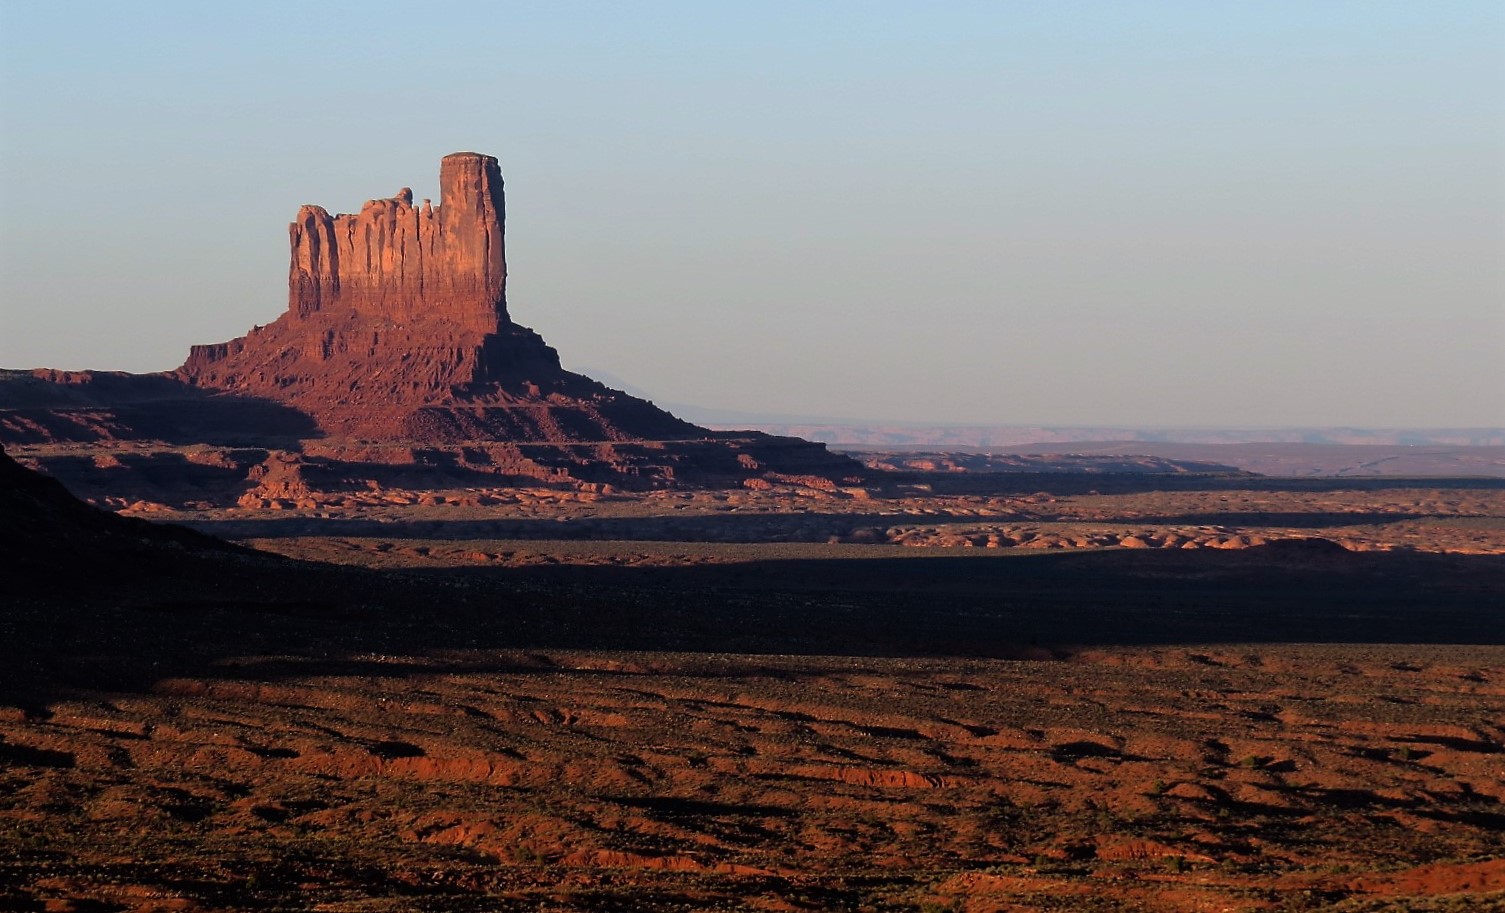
[(900, 434)]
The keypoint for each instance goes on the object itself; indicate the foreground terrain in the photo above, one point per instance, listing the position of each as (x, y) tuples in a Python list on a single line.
[(561, 700), (1238, 778)]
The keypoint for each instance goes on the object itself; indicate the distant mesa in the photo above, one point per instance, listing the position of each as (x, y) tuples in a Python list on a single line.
[(397, 329), (397, 332)]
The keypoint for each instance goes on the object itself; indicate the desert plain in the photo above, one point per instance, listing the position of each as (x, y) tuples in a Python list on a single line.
[(944, 690)]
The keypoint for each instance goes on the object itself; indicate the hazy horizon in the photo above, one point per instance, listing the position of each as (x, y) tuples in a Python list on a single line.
[(1074, 214)]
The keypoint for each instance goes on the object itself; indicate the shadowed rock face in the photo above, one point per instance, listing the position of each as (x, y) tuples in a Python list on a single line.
[(46, 535)]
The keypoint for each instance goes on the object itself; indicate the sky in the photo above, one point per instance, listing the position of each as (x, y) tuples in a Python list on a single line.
[(1183, 214)]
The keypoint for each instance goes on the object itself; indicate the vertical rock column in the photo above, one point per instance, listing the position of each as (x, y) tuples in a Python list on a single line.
[(472, 212), (314, 273), (402, 263)]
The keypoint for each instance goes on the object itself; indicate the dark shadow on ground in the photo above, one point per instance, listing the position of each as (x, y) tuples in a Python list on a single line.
[(715, 527), (747, 527), (188, 615)]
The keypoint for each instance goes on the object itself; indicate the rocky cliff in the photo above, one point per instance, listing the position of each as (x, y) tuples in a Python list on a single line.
[(398, 262)]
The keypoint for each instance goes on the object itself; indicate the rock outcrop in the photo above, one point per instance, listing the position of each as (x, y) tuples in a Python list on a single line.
[(397, 329)]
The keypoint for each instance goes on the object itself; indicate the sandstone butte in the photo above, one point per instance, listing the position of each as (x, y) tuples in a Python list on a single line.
[(397, 328), (397, 332)]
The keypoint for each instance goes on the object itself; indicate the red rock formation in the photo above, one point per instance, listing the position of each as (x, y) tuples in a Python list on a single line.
[(399, 263), (397, 333), (397, 329)]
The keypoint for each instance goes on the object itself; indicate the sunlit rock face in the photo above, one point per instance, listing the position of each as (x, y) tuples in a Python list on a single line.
[(397, 328), (401, 262)]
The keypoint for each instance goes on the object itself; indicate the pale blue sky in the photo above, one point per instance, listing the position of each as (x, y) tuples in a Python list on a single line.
[(1195, 213)]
